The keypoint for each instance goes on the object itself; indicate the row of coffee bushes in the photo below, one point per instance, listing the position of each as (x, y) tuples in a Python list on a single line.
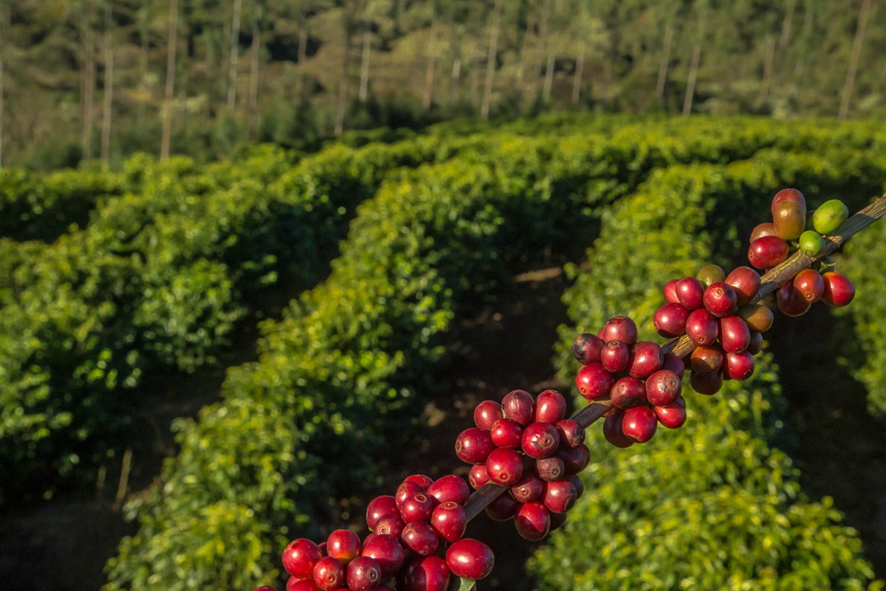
[(330, 400), (713, 505)]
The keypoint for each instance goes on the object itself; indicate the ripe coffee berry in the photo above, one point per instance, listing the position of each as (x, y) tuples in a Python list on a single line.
[(532, 521), (578, 484), (507, 433), (612, 429), (550, 407), (390, 524), (628, 392), (518, 406), (473, 445), (503, 508), (422, 480), (746, 283), (540, 440), (764, 229), (674, 364), (571, 433), (615, 356), (363, 574), (706, 383), (529, 488), (639, 423), (593, 381), (300, 556), (669, 291), (560, 496), (702, 327), (690, 293), (809, 284), (647, 359), (470, 559), (450, 488), (768, 252), (575, 459), (329, 574), (673, 415), (670, 320), (663, 387), (478, 475), (386, 550), (619, 328), (486, 413), (426, 573), (720, 299), (838, 290), (734, 334), (304, 585), (739, 366), (791, 302), (420, 538), (406, 489), (418, 507), (344, 545), (550, 468), (586, 348), (449, 521), (504, 466)]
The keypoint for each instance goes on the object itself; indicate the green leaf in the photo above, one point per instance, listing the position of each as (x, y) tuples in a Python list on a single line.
[(466, 584)]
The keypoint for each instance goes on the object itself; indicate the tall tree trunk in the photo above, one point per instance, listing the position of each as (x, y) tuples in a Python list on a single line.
[(453, 82), (786, 25), (693, 75), (490, 60), (302, 50), (535, 66), (255, 50), (665, 63), (475, 83), (364, 61), (4, 36), (109, 83), (549, 77), (172, 41), (432, 64), (89, 74), (576, 78), (853, 59), (767, 70), (235, 48), (343, 83)]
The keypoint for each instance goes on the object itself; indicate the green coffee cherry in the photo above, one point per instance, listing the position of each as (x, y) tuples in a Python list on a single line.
[(811, 243), (830, 216), (710, 274)]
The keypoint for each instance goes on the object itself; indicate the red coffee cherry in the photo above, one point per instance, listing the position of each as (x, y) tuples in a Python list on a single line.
[(571, 433), (391, 525), (529, 488), (449, 521), (533, 521), (612, 429), (586, 348), (450, 488), (425, 573), (674, 364), (647, 359), (575, 459), (702, 328), (420, 538), (619, 328), (550, 407), (344, 545), (540, 440), (507, 433), (386, 550), (809, 284), (364, 574), (406, 489), (639, 423), (670, 320), (673, 415), (615, 356), (551, 468), (422, 480), (593, 381), (470, 559), (519, 406), (560, 496), (720, 299), (628, 392), (504, 466), (690, 293), (791, 302), (669, 291), (768, 252), (300, 556), (418, 507), (706, 383), (473, 445), (478, 475), (329, 574), (486, 413), (839, 290), (503, 508), (739, 366), (746, 283), (663, 387), (735, 335)]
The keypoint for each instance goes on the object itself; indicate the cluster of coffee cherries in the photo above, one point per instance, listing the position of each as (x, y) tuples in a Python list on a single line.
[(793, 227), (416, 544), (529, 446), (643, 382)]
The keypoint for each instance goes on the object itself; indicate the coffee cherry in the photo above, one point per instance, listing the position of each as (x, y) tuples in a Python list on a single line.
[(571, 433), (486, 413), (720, 299), (586, 348), (507, 433), (612, 429), (540, 440), (529, 488), (639, 423), (746, 283), (519, 406), (363, 574), (647, 359), (304, 585), (663, 387), (756, 344), (758, 317), (344, 545), (290, 583), (593, 381), (406, 489), (702, 327), (690, 293), (378, 508), (391, 525), (828, 218), (300, 556), (418, 507), (449, 520), (575, 459), (450, 488), (789, 195), (265, 588), (628, 392), (560, 496), (557, 520), (504, 466), (386, 550), (811, 243), (710, 274), (473, 445), (791, 302), (706, 359), (768, 252), (809, 284), (670, 320), (838, 290), (426, 573), (764, 229), (533, 521), (619, 328), (673, 363), (739, 366), (673, 415), (615, 356), (550, 468), (578, 484), (478, 475), (420, 538), (422, 480), (669, 291), (706, 383), (329, 574), (503, 508), (734, 334), (550, 407), (470, 559), (790, 220)]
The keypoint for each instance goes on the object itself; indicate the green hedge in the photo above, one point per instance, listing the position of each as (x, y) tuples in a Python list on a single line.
[(712, 505)]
